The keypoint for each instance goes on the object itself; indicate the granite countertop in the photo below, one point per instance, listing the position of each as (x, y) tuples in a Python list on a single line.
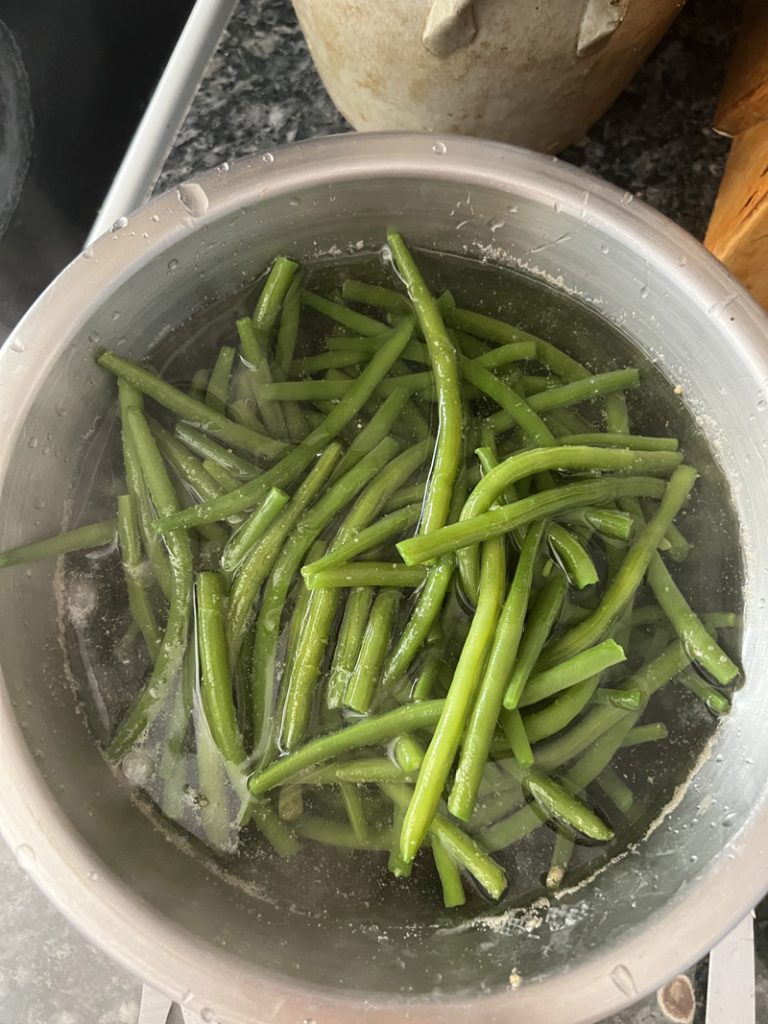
[(261, 91)]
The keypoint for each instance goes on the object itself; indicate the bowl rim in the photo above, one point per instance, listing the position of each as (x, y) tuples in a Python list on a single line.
[(145, 942)]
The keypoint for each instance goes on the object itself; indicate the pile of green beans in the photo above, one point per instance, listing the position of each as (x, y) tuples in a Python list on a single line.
[(371, 628)]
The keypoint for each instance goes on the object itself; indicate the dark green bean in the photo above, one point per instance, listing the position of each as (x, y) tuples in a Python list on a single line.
[(135, 577), (254, 348), (94, 535), (651, 733), (199, 385), (372, 536), (376, 296), (222, 476), (368, 574), (367, 671), (356, 322), (513, 728), (351, 630), (217, 392), (558, 803), (637, 442), (205, 448), (288, 331), (353, 805), (241, 544)]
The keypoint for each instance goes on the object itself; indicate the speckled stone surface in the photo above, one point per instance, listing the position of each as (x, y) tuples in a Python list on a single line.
[(261, 90)]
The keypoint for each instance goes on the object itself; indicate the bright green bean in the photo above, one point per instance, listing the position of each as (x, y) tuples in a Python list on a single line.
[(637, 442), (558, 803), (242, 542), (207, 419), (288, 331), (356, 322), (222, 476), (372, 536), (379, 426), (572, 556), (503, 651), (290, 466), (376, 729), (448, 873), (616, 789), (627, 700), (718, 703), (94, 535), (351, 630), (447, 736), (217, 392), (205, 448), (545, 722), (568, 673), (691, 631), (447, 456), (368, 574), (353, 805), (364, 769), (540, 620), (421, 621), (199, 384), (513, 728), (367, 671), (171, 650), (516, 409), (254, 348), (376, 296)]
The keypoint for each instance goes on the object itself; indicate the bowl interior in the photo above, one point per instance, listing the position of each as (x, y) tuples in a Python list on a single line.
[(627, 929)]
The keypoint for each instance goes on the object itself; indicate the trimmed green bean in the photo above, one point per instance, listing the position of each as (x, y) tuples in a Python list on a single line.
[(288, 331), (581, 666), (448, 449), (421, 621), (279, 835), (254, 348), (217, 392), (561, 855), (187, 466), (187, 408), (518, 411), (447, 735), (636, 442), (449, 875), (368, 574), (540, 620), (503, 651), (135, 576), (513, 728), (616, 789), (718, 703), (395, 863), (222, 476), (378, 427), (361, 770), (376, 729), (353, 805), (572, 556), (95, 535), (367, 671), (703, 648), (171, 651), (351, 630), (428, 675), (627, 700), (290, 466), (205, 448), (241, 544), (199, 385), (356, 322), (558, 803), (372, 536), (651, 733), (376, 296)]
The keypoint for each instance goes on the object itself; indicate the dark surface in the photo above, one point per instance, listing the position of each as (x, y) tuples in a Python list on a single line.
[(90, 70)]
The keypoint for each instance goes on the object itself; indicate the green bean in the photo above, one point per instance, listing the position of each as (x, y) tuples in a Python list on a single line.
[(361, 770), (199, 385), (405, 496), (288, 331), (703, 648), (621, 589), (222, 476), (323, 361), (423, 549), (568, 673), (616, 415), (186, 465), (447, 736), (370, 537), (718, 703), (572, 556), (212, 780), (215, 685), (353, 805), (424, 686), (333, 833), (422, 618), (636, 442), (447, 456), (544, 722), (364, 348), (171, 650), (395, 863), (94, 535), (205, 448), (368, 574), (470, 346), (241, 544), (275, 831), (558, 803), (616, 789), (606, 521), (376, 729), (356, 611), (290, 803), (374, 295), (217, 392), (356, 322), (570, 394), (367, 671), (377, 472), (503, 651), (172, 768), (133, 570), (627, 700), (456, 842), (651, 733), (209, 420), (448, 873), (514, 731), (290, 466), (270, 300), (157, 556), (517, 409), (254, 348), (409, 753), (561, 855), (679, 547), (242, 412), (541, 617), (378, 427), (258, 564)]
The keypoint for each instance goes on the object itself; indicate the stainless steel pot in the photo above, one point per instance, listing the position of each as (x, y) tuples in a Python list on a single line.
[(166, 915)]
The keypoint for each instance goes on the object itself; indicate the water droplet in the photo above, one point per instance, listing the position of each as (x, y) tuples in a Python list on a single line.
[(623, 980), (120, 223), (494, 225), (93, 876), (644, 291), (729, 820), (115, 314), (17, 344), (32, 442), (294, 201), (604, 249), (626, 199), (87, 254), (511, 209), (207, 1015), (173, 265), (193, 198), (223, 167), (25, 855), (155, 219), (268, 158), (138, 767), (556, 206), (681, 261), (187, 998), (693, 858), (440, 148)]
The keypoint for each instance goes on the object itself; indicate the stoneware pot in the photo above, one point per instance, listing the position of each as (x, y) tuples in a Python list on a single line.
[(535, 73), (175, 920)]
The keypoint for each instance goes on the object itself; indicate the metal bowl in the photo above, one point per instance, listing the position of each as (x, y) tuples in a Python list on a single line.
[(168, 916)]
